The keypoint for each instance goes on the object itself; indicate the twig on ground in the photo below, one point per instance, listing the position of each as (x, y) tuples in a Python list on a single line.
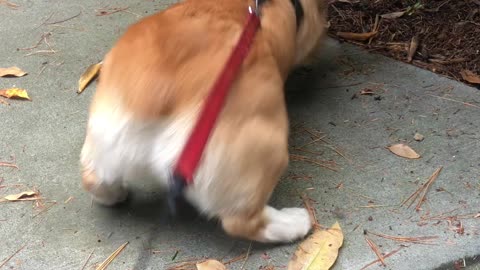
[(186, 264), (133, 13), (235, 259), (45, 209), (457, 101), (311, 142), (338, 11), (45, 21), (375, 28), (310, 209), (384, 257), (337, 151), (64, 20), (9, 4), (308, 151), (423, 188), (416, 240), (87, 260), (320, 163), (429, 183), (68, 200), (375, 206), (11, 256), (375, 249), (246, 257), (444, 216), (105, 11), (41, 52), (8, 164), (42, 38), (340, 86), (112, 257)]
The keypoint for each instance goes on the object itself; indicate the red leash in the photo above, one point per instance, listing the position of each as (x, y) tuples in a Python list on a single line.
[(192, 152)]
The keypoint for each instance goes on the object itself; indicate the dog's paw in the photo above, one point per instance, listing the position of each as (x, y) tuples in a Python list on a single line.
[(286, 225)]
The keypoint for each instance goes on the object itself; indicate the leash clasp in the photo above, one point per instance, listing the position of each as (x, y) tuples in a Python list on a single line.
[(254, 9)]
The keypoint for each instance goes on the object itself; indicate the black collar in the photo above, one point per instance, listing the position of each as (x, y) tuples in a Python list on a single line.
[(299, 13)]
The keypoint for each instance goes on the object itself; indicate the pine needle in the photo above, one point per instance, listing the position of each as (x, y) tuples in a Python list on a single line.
[(375, 250), (246, 257), (432, 178), (320, 163), (112, 257), (11, 256), (422, 189), (378, 260), (417, 240)]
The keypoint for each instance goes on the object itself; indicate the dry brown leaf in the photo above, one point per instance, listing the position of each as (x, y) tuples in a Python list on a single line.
[(15, 93), (403, 150), (12, 71), (393, 15), (357, 36), (211, 265), (90, 73), (413, 48), (319, 251), (22, 196), (470, 77)]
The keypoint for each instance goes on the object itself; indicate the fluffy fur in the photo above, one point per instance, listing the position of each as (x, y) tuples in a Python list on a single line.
[(151, 87)]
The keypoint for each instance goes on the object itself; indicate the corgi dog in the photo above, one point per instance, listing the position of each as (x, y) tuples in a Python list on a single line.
[(152, 85)]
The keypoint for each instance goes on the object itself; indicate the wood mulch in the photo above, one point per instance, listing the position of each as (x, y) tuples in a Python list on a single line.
[(441, 36)]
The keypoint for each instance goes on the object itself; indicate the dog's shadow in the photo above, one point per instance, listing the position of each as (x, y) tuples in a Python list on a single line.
[(151, 209)]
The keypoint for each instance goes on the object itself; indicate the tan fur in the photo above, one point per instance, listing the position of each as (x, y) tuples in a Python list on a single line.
[(165, 64)]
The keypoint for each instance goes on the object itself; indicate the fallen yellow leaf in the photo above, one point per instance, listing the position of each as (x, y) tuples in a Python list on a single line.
[(22, 196), (357, 36), (14, 93), (403, 150), (211, 265), (319, 251), (470, 77), (90, 73), (12, 71)]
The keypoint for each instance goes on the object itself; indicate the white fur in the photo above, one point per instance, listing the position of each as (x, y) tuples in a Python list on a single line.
[(125, 149), (286, 225)]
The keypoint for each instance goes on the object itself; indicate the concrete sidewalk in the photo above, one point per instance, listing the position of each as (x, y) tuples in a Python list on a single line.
[(361, 184)]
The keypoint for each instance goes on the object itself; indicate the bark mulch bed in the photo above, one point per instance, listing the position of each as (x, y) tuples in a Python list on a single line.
[(439, 35)]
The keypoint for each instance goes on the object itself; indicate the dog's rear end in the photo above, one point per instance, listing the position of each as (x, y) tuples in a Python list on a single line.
[(150, 90)]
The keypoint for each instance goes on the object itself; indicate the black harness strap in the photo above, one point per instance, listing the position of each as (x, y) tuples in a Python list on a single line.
[(299, 12)]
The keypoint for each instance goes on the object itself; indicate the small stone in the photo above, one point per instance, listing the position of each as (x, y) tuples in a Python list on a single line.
[(418, 137)]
